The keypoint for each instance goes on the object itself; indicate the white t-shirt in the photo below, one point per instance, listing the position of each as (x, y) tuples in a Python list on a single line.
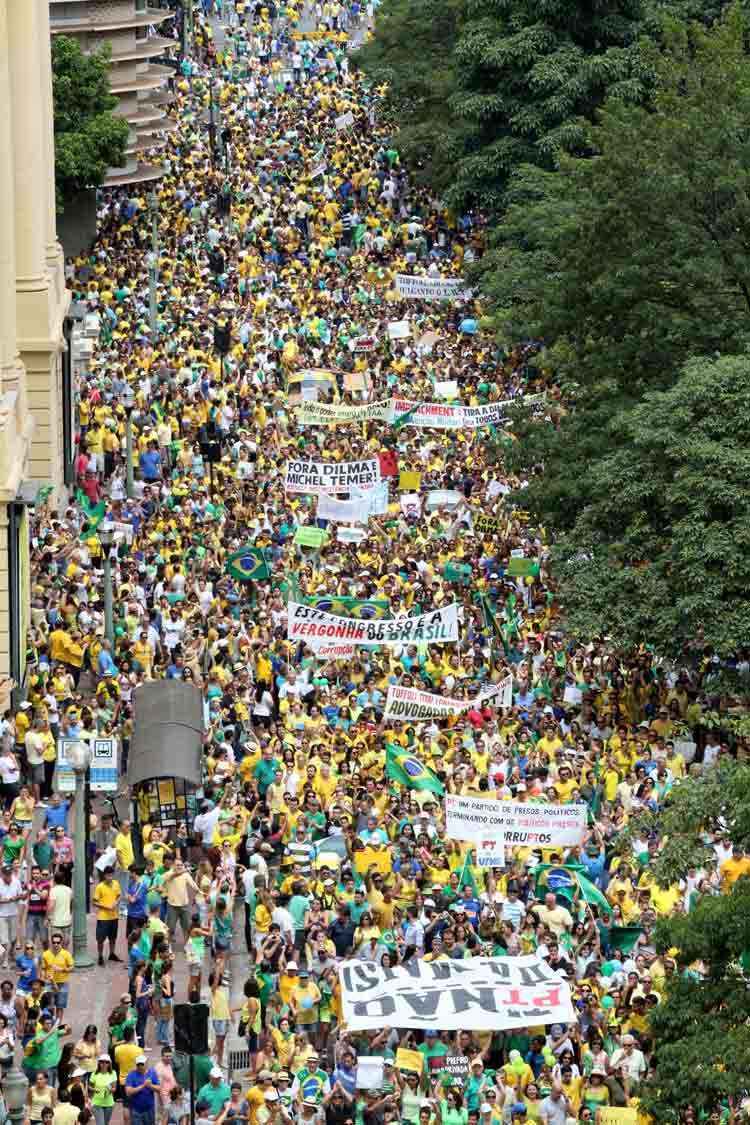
[(8, 892)]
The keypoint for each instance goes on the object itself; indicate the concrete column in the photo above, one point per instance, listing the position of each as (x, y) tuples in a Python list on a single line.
[(11, 370), (54, 252), (29, 170)]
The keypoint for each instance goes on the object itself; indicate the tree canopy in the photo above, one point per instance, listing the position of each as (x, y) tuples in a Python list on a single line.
[(702, 1025), (89, 137), (629, 264)]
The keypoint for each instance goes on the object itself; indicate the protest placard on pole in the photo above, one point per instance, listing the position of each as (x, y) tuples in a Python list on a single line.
[(527, 825)]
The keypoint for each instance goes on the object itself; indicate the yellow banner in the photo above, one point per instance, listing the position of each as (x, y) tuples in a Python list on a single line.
[(379, 858)]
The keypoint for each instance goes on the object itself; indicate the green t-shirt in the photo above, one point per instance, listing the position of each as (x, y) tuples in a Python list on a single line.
[(215, 1096), (44, 854), (298, 907), (433, 1055), (102, 1085), (12, 849)]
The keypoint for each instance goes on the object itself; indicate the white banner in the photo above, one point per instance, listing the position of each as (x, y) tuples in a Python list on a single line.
[(305, 623), (426, 288), (330, 476), (522, 825), (483, 993), (341, 511), (332, 652), (344, 120), (330, 414), (447, 416), (374, 500), (409, 705)]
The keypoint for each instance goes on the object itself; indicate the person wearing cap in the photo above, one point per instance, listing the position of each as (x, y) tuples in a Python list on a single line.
[(216, 1092), (141, 1086), (311, 1081), (102, 1084)]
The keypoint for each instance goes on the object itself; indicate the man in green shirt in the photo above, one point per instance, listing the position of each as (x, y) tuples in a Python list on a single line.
[(433, 1051), (216, 1092), (299, 904), (44, 1051)]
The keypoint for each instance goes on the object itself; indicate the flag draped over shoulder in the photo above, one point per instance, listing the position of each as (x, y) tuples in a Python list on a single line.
[(249, 564), (408, 770)]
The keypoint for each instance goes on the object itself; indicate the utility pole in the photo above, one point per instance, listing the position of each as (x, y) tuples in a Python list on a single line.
[(153, 262), (187, 29)]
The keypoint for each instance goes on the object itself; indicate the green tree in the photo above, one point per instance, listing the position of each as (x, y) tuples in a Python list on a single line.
[(480, 87), (629, 263), (89, 137), (412, 54), (701, 1030), (661, 550)]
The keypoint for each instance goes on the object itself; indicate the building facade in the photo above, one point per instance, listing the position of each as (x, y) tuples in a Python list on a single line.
[(33, 308), (138, 82)]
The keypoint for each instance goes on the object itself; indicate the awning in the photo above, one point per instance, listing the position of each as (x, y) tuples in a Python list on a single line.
[(167, 734)]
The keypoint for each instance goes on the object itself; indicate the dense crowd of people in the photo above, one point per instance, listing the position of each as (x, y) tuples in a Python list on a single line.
[(284, 217)]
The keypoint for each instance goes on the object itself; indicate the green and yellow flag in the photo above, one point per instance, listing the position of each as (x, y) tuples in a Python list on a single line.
[(249, 564), (408, 770)]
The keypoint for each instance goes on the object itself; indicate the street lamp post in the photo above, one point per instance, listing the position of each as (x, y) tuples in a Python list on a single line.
[(79, 756), (153, 262), (211, 121), (106, 536), (15, 1091), (128, 402)]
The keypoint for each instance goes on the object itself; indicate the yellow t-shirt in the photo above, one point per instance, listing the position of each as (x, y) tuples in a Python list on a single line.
[(106, 899)]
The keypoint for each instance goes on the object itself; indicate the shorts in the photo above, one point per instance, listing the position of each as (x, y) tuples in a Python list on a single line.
[(61, 995), (221, 1027), (37, 774), (106, 930)]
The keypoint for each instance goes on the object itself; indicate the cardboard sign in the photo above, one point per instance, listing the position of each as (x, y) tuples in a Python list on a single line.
[(310, 537), (409, 481), (409, 1060)]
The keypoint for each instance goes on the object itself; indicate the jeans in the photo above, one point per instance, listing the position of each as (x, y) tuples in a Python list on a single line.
[(102, 1114), (162, 1032), (145, 1118)]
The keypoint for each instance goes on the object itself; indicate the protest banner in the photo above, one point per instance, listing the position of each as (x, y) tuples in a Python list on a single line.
[(340, 511), (346, 534), (399, 329), (365, 343), (483, 993), (617, 1115), (490, 851), (443, 498), (307, 623), (333, 652), (409, 705), (411, 503), (479, 818), (331, 414), (486, 525), (455, 1066), (409, 1060), (425, 288), (447, 388), (354, 381), (344, 121), (330, 476), (452, 416), (374, 500)]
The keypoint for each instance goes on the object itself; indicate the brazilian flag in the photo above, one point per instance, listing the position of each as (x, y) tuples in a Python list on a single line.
[(94, 514), (408, 770), (565, 880), (522, 568), (364, 609), (248, 565)]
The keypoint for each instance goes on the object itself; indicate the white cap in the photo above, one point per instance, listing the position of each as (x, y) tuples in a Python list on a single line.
[(140, 1058), (216, 1072), (291, 964)]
